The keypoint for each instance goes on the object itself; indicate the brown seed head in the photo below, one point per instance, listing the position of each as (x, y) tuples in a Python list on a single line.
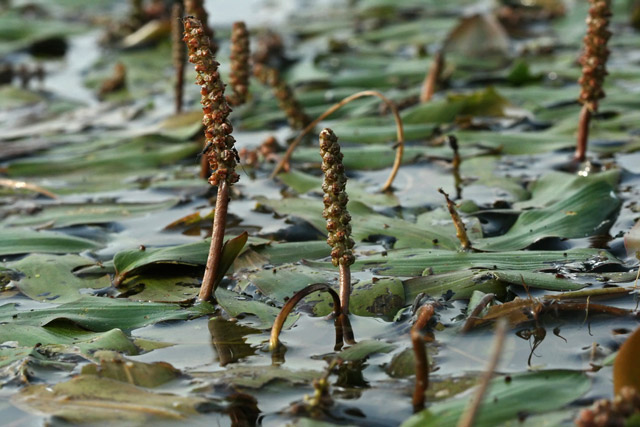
[(335, 200), (220, 144)]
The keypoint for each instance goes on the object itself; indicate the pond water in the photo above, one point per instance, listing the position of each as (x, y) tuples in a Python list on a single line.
[(77, 346)]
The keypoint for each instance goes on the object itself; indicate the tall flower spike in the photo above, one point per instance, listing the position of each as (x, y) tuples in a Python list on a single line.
[(335, 212), (219, 149), (239, 79), (594, 69), (287, 101), (196, 8)]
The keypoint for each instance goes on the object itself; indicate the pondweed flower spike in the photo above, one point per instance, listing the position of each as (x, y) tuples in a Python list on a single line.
[(239, 78), (471, 411), (399, 145), (178, 52), (196, 8), (336, 213), (287, 101), (461, 230), (431, 80), (615, 412), (220, 149), (421, 363), (341, 320), (594, 69)]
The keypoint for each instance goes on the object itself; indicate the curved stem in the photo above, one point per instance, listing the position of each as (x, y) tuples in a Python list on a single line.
[(399, 130), (473, 316), (341, 320), (422, 364), (217, 237)]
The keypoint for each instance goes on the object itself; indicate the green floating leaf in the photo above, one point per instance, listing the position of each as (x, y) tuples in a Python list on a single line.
[(129, 154), (506, 400), (235, 304), (67, 338), (112, 365), (368, 225), (256, 377), (486, 102), (161, 288), (414, 262), (23, 241), (303, 183), (91, 399), (462, 284), (66, 215), (230, 251), (364, 349), (582, 213), (102, 314), (51, 278)]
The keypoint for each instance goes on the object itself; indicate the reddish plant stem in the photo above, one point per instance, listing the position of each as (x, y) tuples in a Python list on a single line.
[(419, 350), (345, 287), (583, 134), (431, 80), (473, 316), (179, 52), (341, 321), (217, 237)]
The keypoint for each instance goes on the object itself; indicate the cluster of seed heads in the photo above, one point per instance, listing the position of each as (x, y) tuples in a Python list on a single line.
[(239, 79), (288, 103), (220, 147), (335, 200), (594, 58), (196, 8), (611, 413)]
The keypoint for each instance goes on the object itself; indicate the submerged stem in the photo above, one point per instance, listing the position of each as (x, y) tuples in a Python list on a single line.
[(419, 350), (399, 131)]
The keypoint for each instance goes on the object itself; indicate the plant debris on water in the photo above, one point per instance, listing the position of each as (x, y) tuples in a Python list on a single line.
[(426, 215)]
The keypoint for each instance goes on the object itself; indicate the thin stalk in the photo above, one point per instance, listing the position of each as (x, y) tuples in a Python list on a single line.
[(455, 165), (179, 52), (217, 238), (470, 413), (420, 352), (345, 287), (431, 80), (461, 230), (335, 107), (341, 321), (583, 134)]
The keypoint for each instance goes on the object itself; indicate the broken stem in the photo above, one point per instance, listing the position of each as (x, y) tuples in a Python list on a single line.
[(399, 131), (431, 80), (419, 350), (217, 237), (475, 314), (461, 230), (341, 321), (469, 415)]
